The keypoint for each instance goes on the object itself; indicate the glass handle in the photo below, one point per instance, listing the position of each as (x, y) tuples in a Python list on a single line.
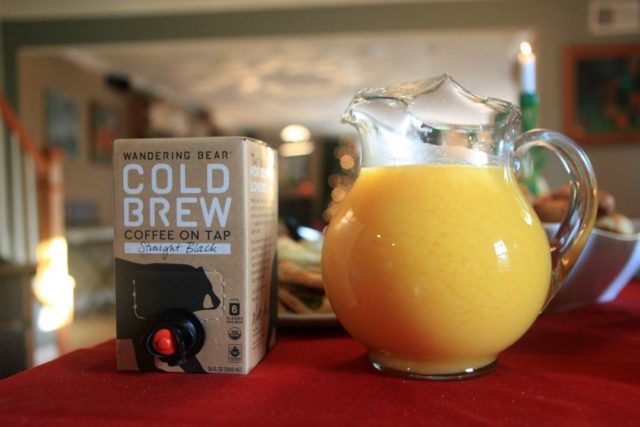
[(574, 230)]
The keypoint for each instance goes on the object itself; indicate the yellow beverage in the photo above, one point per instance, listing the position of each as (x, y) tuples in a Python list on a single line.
[(436, 268)]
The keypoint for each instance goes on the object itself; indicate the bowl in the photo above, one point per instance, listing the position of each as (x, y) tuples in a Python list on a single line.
[(607, 264)]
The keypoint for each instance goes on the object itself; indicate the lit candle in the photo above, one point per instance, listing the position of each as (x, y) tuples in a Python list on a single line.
[(527, 61)]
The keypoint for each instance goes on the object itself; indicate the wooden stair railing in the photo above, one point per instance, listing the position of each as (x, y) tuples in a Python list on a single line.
[(35, 188)]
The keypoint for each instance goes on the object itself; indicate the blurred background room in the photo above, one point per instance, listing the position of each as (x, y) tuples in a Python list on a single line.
[(76, 74)]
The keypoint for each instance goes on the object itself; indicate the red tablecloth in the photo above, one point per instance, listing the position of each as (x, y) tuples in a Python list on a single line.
[(575, 368)]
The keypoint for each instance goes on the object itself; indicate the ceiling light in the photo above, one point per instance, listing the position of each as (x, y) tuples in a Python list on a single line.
[(295, 133)]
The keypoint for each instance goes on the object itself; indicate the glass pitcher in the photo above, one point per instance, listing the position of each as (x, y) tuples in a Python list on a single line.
[(435, 260)]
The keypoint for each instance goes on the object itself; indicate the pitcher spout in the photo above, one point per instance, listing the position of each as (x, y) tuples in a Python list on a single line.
[(399, 123), (386, 105)]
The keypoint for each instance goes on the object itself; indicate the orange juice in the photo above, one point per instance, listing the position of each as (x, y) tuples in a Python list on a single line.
[(436, 268)]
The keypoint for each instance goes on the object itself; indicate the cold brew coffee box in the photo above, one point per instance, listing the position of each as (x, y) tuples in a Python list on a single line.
[(195, 237)]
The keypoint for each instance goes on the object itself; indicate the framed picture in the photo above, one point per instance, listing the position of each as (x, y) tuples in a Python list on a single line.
[(602, 93), (62, 125), (105, 127)]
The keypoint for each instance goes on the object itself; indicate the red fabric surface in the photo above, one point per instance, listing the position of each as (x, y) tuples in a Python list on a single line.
[(575, 368)]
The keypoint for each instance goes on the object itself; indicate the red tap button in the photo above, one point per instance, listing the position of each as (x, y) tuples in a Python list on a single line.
[(164, 342)]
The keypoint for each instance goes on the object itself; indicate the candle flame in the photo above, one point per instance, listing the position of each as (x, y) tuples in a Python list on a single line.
[(525, 48)]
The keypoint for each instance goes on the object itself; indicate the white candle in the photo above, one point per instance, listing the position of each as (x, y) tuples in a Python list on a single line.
[(527, 61)]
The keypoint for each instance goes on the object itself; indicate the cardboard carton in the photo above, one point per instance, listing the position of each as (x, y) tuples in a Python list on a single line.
[(195, 236)]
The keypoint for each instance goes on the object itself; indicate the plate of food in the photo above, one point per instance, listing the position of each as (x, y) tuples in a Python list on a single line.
[(301, 297), (609, 260)]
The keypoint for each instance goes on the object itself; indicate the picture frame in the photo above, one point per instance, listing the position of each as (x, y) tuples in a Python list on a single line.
[(602, 93), (62, 124), (105, 128)]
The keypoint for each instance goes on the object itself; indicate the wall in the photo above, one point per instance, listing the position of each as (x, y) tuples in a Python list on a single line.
[(557, 24), (562, 24), (618, 171), (1, 58), (85, 180), (5, 247)]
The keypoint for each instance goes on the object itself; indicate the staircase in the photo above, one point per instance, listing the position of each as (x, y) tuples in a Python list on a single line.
[(33, 252)]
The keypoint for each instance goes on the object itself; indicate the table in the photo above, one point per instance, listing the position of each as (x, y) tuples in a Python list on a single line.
[(575, 368)]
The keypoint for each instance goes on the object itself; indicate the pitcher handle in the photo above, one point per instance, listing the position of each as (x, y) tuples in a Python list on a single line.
[(574, 230)]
